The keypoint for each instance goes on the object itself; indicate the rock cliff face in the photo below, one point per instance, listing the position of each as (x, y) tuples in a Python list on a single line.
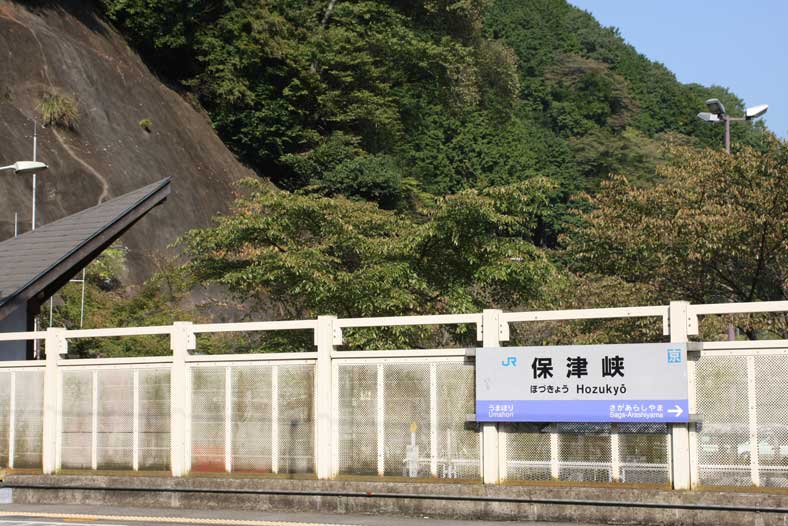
[(62, 47)]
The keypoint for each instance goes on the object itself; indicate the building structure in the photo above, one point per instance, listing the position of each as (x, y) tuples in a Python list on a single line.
[(36, 264)]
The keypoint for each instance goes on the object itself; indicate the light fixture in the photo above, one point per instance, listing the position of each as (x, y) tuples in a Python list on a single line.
[(708, 116), (715, 106), (25, 167), (755, 111)]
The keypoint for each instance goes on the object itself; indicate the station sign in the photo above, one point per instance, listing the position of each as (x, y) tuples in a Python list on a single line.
[(643, 383)]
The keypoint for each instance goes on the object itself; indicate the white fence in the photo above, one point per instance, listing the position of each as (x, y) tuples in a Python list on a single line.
[(383, 414)]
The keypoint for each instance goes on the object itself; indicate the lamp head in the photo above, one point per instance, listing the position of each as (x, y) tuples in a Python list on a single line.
[(755, 111), (27, 167), (715, 106)]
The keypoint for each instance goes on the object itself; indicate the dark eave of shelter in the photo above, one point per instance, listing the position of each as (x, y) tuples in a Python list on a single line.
[(38, 263)]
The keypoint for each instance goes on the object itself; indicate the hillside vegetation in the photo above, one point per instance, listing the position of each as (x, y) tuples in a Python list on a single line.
[(384, 100), (453, 155)]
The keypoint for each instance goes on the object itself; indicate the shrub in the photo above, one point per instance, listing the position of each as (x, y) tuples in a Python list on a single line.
[(58, 110)]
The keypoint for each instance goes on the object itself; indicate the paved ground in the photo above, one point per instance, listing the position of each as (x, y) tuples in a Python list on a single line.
[(55, 515)]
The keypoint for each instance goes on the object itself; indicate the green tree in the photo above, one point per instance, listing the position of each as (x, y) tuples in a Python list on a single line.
[(384, 101), (304, 255), (713, 228)]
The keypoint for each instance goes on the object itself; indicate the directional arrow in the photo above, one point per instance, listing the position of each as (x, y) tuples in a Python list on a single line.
[(676, 411)]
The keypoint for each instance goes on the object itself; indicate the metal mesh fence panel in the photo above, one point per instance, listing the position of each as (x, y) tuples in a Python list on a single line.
[(643, 453), (358, 392), (154, 419), (77, 427), (406, 418), (771, 374), (458, 446), (584, 452), (208, 418), (5, 416), (528, 452), (723, 437), (296, 418), (28, 417), (115, 419), (251, 418)]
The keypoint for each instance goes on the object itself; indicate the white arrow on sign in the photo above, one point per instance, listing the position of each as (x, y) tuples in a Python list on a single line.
[(676, 411)]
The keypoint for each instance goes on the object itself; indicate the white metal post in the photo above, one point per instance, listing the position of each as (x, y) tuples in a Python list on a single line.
[(503, 470), (94, 422), (12, 422), (55, 346), (555, 465), (326, 337), (692, 406), (755, 464), (181, 341), (335, 427), (380, 420), (434, 419), (187, 430), (228, 419), (274, 419), (491, 326), (135, 423), (59, 425), (615, 458), (680, 440), (35, 158)]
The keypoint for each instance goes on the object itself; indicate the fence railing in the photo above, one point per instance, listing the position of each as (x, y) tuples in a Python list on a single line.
[(398, 414)]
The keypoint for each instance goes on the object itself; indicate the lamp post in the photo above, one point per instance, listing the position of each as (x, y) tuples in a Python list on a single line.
[(32, 167), (717, 113), (24, 168)]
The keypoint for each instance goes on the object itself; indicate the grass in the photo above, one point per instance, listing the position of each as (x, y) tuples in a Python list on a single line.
[(59, 110), (146, 124)]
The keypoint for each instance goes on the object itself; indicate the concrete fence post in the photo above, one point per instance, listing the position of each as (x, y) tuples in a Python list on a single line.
[(680, 439), (326, 336), (182, 340), (55, 346), (491, 323)]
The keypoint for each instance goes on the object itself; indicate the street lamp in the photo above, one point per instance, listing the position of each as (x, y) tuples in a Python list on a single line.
[(717, 113), (25, 167), (28, 167)]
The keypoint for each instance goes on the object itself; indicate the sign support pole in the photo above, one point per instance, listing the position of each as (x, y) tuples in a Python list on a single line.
[(327, 336), (56, 345), (182, 340), (680, 440), (491, 320)]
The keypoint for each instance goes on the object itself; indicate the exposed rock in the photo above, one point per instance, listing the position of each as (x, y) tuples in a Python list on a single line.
[(64, 48)]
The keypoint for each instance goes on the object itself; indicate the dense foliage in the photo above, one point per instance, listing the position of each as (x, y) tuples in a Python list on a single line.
[(713, 229), (301, 256), (435, 156), (383, 101)]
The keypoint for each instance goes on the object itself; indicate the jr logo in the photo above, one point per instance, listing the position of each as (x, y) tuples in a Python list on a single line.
[(511, 361)]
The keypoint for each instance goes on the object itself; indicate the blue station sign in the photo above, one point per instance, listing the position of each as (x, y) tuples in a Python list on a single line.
[(643, 383)]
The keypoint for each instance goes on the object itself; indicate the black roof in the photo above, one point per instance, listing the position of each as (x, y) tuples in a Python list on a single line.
[(37, 263)]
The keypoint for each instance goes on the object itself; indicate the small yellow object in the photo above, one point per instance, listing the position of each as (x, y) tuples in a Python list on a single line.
[(413, 427)]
